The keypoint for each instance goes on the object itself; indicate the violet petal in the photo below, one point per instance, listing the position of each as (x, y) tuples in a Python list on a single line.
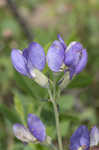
[(55, 56), (75, 58), (26, 53), (80, 138), (36, 127), (19, 62), (36, 57), (62, 41), (82, 63), (72, 53), (75, 46), (72, 72)]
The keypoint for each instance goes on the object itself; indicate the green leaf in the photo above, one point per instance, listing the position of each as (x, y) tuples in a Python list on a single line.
[(19, 107), (51, 131), (30, 87), (64, 125), (46, 47), (66, 102), (10, 114), (28, 104), (88, 114), (70, 116), (47, 114), (81, 80)]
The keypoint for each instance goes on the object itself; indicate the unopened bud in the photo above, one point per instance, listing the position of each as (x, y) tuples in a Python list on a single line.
[(40, 78), (64, 81)]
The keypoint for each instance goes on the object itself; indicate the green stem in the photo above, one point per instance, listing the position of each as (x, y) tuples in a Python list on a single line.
[(54, 87), (57, 120)]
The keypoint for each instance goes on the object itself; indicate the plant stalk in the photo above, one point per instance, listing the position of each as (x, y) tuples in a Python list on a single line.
[(57, 120)]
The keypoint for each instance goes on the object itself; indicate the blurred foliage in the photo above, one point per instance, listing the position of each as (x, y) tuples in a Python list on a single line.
[(79, 103)]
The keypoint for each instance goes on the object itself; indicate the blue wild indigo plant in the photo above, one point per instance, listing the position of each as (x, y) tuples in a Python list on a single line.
[(82, 139), (65, 62)]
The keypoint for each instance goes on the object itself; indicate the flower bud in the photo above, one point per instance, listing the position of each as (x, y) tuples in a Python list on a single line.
[(22, 133), (30, 58), (40, 78), (75, 58), (19, 62), (36, 127), (55, 55), (64, 81), (36, 56), (80, 139)]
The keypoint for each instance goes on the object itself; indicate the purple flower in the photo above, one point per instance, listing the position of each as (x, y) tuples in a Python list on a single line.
[(75, 58), (28, 59), (83, 139), (35, 132), (80, 138), (55, 55), (36, 127)]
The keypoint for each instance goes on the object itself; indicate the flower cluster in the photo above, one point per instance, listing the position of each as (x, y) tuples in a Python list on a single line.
[(74, 58), (82, 139), (35, 132)]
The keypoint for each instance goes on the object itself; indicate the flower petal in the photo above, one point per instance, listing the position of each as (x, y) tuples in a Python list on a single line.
[(82, 62), (80, 138), (74, 147), (23, 133), (72, 72), (36, 57), (75, 58), (62, 41), (69, 57), (36, 127), (55, 56), (75, 46), (19, 62), (72, 53), (26, 53), (94, 136)]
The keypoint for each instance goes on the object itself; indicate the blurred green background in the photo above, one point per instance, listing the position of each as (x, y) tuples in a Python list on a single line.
[(42, 20)]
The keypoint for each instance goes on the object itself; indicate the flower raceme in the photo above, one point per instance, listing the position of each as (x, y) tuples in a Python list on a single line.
[(35, 132), (31, 61), (82, 139)]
